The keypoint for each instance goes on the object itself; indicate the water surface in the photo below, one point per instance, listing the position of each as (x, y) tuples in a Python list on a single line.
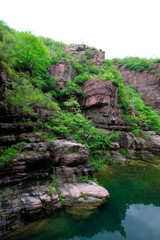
[(132, 213)]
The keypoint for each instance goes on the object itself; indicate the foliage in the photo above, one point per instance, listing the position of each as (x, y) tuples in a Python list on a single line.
[(72, 88), (8, 46), (8, 154), (56, 49), (89, 52), (136, 63), (32, 55), (27, 58), (23, 51), (75, 124), (144, 114), (25, 98)]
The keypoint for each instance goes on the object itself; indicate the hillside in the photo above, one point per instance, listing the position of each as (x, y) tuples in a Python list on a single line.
[(66, 112)]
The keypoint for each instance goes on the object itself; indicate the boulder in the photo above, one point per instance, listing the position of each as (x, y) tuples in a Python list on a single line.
[(83, 193), (68, 153)]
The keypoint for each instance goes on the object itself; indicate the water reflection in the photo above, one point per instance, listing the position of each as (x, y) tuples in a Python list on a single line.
[(146, 222), (133, 211)]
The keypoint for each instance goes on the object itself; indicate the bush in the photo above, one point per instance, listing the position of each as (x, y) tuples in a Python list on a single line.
[(6, 155), (25, 98), (136, 63), (32, 55), (144, 114)]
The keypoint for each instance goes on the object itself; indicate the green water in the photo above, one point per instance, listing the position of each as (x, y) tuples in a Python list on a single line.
[(132, 213)]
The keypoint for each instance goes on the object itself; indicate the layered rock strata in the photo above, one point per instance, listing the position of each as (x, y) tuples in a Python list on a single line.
[(100, 105), (99, 101), (136, 147), (148, 85), (41, 179)]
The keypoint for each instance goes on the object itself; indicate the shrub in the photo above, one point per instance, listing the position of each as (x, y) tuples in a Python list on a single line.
[(32, 55), (6, 155), (25, 98), (144, 114), (136, 63)]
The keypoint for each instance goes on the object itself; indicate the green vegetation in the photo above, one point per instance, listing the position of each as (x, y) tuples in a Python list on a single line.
[(56, 50), (32, 91), (82, 131), (144, 114), (8, 154), (138, 64)]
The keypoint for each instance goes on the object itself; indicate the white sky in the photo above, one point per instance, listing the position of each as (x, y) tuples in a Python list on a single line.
[(119, 27)]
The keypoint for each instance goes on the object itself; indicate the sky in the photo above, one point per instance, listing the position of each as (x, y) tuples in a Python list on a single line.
[(119, 27)]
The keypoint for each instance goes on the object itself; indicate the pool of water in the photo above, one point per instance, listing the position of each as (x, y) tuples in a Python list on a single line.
[(132, 213)]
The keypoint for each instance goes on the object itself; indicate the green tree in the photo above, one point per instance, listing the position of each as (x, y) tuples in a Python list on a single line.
[(32, 55)]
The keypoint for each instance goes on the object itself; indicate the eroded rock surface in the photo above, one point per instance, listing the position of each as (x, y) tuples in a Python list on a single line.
[(41, 179), (62, 71), (137, 147), (21, 204), (148, 85), (99, 102), (91, 53), (153, 142)]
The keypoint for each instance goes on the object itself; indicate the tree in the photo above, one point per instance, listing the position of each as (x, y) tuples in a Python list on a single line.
[(32, 55)]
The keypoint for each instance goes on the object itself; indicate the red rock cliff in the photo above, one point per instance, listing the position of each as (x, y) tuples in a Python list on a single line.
[(148, 85)]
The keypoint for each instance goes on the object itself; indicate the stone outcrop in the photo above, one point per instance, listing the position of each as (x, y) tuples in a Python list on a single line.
[(62, 71), (90, 53), (83, 193), (99, 101), (70, 160), (137, 147), (20, 204), (153, 142), (148, 85), (42, 178)]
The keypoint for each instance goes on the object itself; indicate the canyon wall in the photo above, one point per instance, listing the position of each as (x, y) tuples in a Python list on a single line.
[(29, 187)]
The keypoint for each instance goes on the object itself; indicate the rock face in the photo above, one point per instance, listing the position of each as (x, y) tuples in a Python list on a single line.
[(62, 71), (153, 142), (70, 160), (99, 102), (148, 85), (92, 54), (20, 204), (137, 147), (41, 179)]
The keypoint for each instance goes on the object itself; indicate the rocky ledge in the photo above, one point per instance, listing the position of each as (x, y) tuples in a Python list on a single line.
[(43, 179)]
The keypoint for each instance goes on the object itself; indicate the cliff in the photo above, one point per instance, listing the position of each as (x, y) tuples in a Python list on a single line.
[(148, 84), (62, 117)]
